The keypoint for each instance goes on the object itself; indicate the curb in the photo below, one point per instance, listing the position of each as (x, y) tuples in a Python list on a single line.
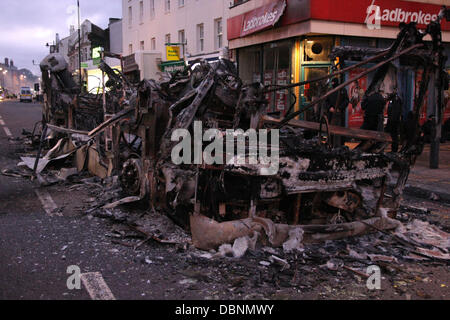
[(427, 194)]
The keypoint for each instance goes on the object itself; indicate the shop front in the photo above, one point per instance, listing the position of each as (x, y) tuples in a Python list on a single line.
[(288, 41), (131, 68)]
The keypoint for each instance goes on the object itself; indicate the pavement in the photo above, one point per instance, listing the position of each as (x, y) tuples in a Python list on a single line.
[(428, 183)]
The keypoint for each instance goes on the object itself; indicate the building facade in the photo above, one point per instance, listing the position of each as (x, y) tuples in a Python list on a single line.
[(196, 27), (13, 78), (92, 37), (113, 44), (288, 41)]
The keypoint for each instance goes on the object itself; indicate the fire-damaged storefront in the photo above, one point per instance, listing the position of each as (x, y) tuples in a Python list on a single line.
[(280, 42)]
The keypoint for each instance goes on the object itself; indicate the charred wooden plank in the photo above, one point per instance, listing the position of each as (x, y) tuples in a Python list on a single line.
[(335, 130)]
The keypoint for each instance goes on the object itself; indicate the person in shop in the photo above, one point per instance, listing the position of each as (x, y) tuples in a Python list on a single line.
[(445, 131), (373, 107), (337, 104), (395, 109), (428, 128)]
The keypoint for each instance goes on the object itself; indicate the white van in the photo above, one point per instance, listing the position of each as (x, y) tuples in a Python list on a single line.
[(25, 94)]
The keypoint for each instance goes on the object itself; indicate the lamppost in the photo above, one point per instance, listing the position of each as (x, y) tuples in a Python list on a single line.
[(79, 44)]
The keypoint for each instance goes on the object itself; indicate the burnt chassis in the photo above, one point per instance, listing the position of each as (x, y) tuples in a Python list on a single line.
[(319, 193), (328, 193)]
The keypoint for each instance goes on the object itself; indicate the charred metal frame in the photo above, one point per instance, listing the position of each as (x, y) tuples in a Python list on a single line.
[(320, 193)]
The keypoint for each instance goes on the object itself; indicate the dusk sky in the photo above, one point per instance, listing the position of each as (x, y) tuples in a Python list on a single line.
[(27, 25)]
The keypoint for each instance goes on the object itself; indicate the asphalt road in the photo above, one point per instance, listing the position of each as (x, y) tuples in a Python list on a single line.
[(37, 249)]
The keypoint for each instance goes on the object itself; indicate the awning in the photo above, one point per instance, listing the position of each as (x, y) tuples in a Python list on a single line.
[(129, 64)]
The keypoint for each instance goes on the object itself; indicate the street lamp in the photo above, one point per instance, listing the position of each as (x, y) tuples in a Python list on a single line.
[(79, 45)]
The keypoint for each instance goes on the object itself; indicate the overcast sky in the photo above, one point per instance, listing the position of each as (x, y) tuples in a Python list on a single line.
[(27, 25)]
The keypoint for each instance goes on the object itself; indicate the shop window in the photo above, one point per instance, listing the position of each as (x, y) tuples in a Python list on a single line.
[(277, 71), (250, 64), (270, 64), (318, 49)]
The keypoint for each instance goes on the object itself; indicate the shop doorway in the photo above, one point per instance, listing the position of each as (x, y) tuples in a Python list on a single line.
[(313, 91)]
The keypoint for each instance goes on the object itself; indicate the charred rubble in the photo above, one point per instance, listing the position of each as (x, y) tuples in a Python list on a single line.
[(320, 191)]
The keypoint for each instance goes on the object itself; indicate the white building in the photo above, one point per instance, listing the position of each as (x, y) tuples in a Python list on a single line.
[(148, 25)]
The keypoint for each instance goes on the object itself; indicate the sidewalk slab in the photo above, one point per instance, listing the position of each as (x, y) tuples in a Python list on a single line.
[(425, 182)]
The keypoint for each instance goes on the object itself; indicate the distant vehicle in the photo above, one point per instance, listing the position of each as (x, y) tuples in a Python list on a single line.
[(2, 95), (26, 94)]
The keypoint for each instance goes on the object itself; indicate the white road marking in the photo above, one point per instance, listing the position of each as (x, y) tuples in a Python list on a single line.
[(5, 128), (8, 133), (96, 286), (48, 204)]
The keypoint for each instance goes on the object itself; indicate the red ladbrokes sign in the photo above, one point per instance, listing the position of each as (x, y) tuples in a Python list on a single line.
[(263, 17), (374, 13)]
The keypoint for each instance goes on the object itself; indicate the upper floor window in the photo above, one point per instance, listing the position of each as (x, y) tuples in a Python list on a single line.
[(153, 44), (142, 46), (181, 36), (218, 29), (152, 9), (200, 37), (180, 3), (130, 48), (141, 12), (168, 38), (130, 16), (167, 5), (182, 40), (237, 2)]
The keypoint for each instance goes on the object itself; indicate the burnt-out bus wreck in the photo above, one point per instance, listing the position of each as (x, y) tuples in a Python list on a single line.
[(320, 192)]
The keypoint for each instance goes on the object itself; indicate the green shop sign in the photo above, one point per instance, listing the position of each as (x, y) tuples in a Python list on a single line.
[(173, 66), (97, 55)]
